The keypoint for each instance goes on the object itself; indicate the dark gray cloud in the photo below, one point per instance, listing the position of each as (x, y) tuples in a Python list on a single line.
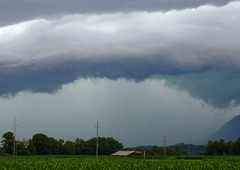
[(218, 89), (195, 50), (14, 11), (49, 80)]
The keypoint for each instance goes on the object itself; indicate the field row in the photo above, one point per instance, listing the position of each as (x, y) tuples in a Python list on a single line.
[(107, 162)]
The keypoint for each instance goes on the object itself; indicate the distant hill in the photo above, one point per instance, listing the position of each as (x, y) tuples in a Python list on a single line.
[(193, 149), (230, 131), (145, 147)]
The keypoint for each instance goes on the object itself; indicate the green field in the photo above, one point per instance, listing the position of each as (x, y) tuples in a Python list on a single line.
[(116, 163)]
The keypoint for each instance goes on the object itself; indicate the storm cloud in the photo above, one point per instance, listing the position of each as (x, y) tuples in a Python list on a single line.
[(195, 50), (17, 11)]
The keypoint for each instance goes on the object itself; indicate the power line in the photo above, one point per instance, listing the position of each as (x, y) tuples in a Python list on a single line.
[(55, 126)]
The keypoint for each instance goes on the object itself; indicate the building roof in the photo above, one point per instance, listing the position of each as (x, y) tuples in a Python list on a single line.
[(138, 152), (123, 153)]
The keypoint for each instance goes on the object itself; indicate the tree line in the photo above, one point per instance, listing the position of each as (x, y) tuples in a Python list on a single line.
[(156, 150), (176, 149), (191, 148), (41, 144), (222, 148)]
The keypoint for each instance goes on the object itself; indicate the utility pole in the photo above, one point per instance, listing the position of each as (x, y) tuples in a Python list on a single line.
[(14, 137), (164, 143), (189, 153), (97, 141)]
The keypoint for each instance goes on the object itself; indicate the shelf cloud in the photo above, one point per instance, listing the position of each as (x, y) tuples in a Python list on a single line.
[(15, 11), (194, 49)]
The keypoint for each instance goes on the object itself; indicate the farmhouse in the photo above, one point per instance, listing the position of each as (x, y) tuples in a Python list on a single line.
[(126, 153)]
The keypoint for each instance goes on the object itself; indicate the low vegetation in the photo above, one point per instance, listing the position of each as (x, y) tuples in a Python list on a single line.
[(116, 163)]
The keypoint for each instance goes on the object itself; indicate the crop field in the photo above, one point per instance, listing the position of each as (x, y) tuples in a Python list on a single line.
[(116, 163)]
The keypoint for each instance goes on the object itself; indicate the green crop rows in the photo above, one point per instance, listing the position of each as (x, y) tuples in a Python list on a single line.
[(112, 163)]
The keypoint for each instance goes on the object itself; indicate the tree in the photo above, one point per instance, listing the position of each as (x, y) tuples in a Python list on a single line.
[(177, 151), (106, 146), (114, 145), (31, 148), (54, 146), (8, 142), (69, 148), (79, 144), (22, 147), (60, 144), (217, 148), (90, 147), (234, 147), (155, 150), (184, 152), (210, 149), (222, 147), (42, 144)]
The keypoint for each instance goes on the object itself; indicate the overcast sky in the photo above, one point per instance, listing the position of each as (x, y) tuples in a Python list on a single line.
[(144, 69)]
